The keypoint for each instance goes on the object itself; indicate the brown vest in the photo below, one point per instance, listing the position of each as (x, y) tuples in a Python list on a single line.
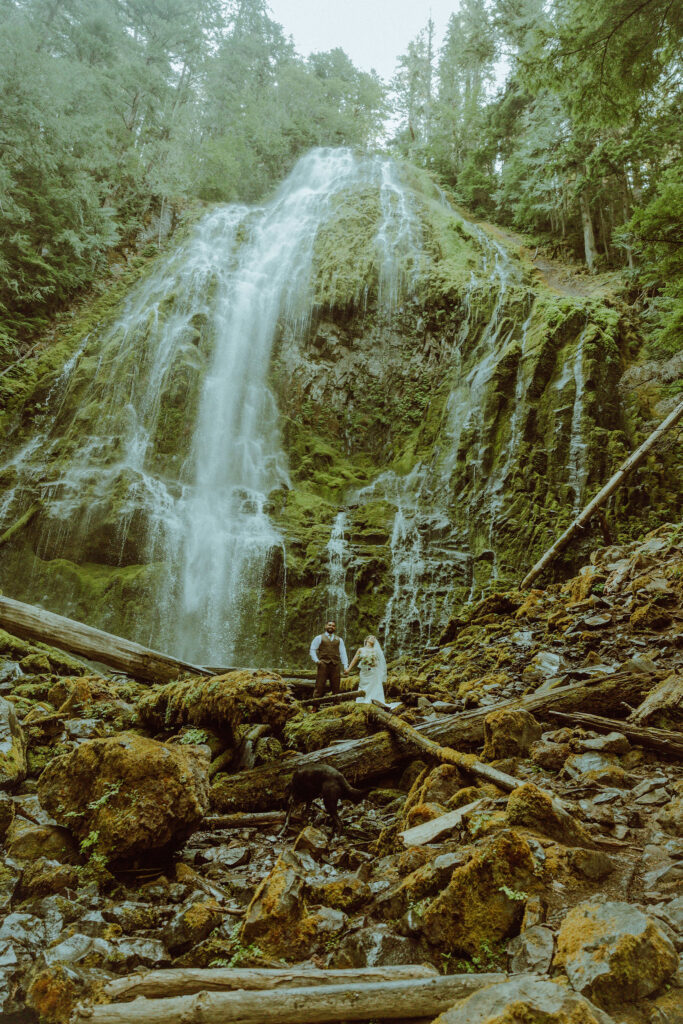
[(328, 651)]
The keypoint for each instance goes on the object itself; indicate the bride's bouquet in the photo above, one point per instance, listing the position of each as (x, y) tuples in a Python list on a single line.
[(368, 658)]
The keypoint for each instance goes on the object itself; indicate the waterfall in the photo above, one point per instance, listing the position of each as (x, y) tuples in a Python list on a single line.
[(577, 468), (338, 554), (163, 446)]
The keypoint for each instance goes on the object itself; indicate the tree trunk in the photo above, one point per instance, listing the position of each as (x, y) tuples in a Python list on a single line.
[(28, 622), (188, 980), (445, 754), (263, 788), (390, 1000), (589, 245), (601, 497)]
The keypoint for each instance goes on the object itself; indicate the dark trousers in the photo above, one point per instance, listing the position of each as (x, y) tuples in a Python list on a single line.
[(327, 670)]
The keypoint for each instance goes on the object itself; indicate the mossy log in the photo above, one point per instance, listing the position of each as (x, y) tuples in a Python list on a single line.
[(667, 741), (334, 698), (188, 980), (263, 788), (21, 522), (31, 623), (445, 754), (388, 1000)]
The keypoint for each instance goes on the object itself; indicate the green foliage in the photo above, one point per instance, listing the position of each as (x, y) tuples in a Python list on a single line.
[(513, 894), (194, 736), (116, 114)]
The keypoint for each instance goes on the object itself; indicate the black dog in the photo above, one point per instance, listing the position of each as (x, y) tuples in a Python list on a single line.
[(325, 781)]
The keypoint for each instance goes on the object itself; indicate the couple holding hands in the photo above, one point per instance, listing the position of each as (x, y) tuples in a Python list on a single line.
[(329, 654)]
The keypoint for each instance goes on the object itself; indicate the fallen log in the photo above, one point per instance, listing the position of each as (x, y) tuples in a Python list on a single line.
[(601, 497), (31, 623), (467, 762), (185, 981), (389, 1000), (262, 788), (334, 698), (668, 741)]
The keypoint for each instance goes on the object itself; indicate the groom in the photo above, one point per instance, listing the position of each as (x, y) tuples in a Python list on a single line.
[(329, 654)]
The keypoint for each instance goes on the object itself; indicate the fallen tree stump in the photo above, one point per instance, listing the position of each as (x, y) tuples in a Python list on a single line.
[(389, 1000), (263, 788), (667, 741), (188, 980)]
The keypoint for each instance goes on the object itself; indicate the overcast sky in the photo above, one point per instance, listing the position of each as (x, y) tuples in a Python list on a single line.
[(374, 33)]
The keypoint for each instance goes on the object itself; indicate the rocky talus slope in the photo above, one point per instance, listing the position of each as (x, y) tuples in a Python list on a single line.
[(119, 857)]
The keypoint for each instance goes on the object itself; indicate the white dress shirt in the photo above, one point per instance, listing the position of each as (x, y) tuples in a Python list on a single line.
[(316, 644)]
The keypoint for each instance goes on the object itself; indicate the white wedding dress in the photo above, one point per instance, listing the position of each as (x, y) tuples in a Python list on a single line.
[(373, 674)]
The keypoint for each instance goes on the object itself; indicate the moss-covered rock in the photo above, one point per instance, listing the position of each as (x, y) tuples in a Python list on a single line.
[(126, 796)]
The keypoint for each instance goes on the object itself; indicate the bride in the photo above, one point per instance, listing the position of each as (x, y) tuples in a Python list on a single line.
[(373, 670)]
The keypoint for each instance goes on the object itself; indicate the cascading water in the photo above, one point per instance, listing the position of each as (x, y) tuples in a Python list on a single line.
[(189, 360), (578, 470), (338, 555)]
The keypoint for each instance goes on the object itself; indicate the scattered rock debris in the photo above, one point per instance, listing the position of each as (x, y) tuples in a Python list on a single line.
[(570, 883)]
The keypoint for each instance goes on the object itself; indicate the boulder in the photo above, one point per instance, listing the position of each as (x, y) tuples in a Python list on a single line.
[(549, 755), (27, 841), (509, 734), (532, 950), (276, 918), (222, 703), (376, 946), (191, 924), (484, 900), (12, 747), (6, 814), (45, 877), (670, 818), (441, 784), (613, 953), (532, 808), (528, 999), (127, 795)]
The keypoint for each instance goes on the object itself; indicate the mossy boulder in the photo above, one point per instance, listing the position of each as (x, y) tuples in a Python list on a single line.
[(614, 953), (509, 734), (127, 795), (533, 808), (27, 841), (222, 703), (524, 1000), (484, 900)]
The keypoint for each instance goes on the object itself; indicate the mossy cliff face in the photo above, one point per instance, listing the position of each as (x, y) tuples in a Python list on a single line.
[(441, 414)]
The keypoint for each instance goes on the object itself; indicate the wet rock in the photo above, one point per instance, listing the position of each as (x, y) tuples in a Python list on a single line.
[(228, 856), (191, 924), (592, 864), (441, 784), (121, 954), (274, 916), (609, 743), (484, 900), (528, 999), (6, 814), (584, 767), (27, 841), (376, 946), (311, 840), (509, 734), (426, 880), (132, 916), (44, 877), (533, 808), (52, 994), (613, 953), (347, 893), (222, 703), (12, 747), (135, 794), (532, 950), (670, 818), (549, 755)]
